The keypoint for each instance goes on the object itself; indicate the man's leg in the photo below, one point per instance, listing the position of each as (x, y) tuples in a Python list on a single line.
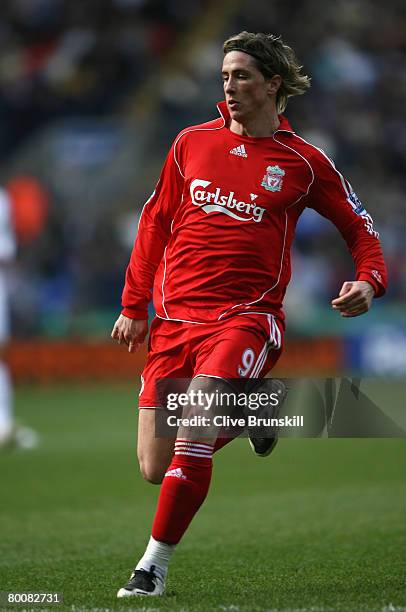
[(220, 353), (184, 487), (154, 454), (187, 480)]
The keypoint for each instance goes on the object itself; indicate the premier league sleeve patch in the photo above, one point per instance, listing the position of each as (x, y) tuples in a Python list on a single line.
[(358, 207), (356, 204)]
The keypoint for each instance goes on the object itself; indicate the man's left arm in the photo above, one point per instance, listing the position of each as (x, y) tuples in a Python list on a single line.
[(333, 197)]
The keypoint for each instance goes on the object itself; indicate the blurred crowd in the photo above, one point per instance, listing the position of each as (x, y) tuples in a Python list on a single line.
[(61, 58), (68, 73)]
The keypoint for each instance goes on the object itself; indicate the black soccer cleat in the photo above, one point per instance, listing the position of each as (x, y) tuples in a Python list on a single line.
[(262, 447), (143, 582), (264, 439)]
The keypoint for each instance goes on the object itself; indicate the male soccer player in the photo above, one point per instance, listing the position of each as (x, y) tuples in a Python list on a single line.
[(214, 243)]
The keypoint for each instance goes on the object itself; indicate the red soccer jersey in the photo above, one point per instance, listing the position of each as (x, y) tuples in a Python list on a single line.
[(214, 238)]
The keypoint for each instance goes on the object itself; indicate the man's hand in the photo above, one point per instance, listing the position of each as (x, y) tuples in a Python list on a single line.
[(354, 299), (132, 332)]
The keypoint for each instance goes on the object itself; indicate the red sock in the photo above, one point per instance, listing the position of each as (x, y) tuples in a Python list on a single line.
[(221, 442), (183, 490)]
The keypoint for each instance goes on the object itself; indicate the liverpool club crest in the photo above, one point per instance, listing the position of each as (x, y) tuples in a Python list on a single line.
[(273, 178)]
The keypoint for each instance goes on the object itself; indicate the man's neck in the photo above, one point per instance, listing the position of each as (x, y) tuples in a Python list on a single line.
[(258, 127)]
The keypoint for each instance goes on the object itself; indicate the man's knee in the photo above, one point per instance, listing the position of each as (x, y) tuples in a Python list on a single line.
[(154, 461), (154, 455), (151, 471)]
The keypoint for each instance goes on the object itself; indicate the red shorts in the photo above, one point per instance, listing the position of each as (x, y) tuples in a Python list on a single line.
[(244, 346)]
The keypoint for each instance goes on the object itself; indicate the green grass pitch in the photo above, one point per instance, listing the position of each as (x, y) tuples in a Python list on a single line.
[(320, 525)]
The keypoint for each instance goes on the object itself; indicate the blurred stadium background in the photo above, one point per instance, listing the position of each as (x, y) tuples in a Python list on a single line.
[(91, 95)]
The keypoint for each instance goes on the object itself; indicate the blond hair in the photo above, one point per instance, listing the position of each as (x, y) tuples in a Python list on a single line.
[(271, 57)]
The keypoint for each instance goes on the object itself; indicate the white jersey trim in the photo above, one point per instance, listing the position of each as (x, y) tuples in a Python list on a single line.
[(184, 320), (163, 282), (210, 376), (274, 342), (260, 361), (145, 204), (151, 408)]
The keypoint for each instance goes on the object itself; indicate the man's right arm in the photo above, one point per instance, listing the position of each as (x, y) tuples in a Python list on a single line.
[(153, 234)]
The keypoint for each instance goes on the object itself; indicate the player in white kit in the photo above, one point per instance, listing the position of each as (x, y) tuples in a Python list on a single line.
[(10, 434)]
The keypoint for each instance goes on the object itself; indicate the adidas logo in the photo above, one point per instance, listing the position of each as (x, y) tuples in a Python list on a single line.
[(240, 151), (176, 473)]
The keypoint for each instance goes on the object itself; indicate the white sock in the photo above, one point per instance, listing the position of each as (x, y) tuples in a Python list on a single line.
[(6, 416), (158, 554)]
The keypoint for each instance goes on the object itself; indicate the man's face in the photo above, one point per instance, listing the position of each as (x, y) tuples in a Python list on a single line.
[(245, 88)]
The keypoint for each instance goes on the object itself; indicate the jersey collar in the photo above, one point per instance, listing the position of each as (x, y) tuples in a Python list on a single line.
[(284, 125)]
